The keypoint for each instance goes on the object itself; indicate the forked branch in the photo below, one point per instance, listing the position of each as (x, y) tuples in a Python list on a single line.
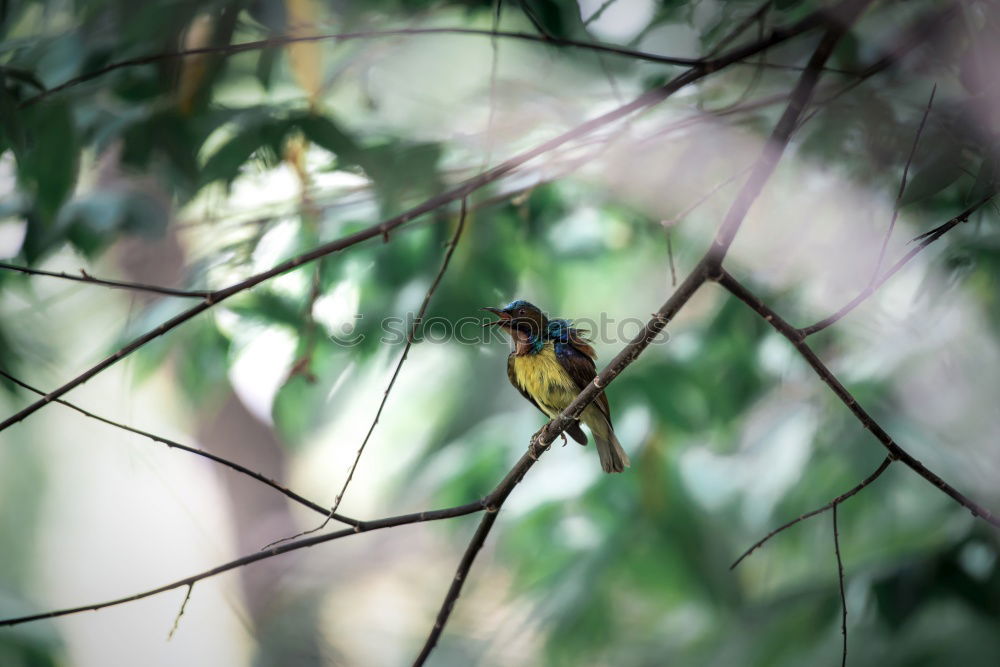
[(737, 289)]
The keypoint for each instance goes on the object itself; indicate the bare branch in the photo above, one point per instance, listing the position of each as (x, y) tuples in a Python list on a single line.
[(902, 186), (84, 277), (670, 259), (475, 544), (840, 578), (180, 612), (411, 334), (918, 33), (305, 502), (382, 229), (756, 16), (924, 239), (819, 510), (840, 21), (896, 452), (361, 527), (597, 12), (284, 40)]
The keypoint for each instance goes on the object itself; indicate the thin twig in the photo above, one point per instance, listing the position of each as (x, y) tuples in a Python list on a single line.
[(180, 612), (840, 578), (919, 33), (756, 16), (305, 502), (670, 259), (819, 510), (597, 13), (702, 199), (902, 188), (837, 26), (361, 527), (284, 40), (924, 239), (85, 277), (475, 544), (797, 339), (411, 334), (382, 229), (494, 68)]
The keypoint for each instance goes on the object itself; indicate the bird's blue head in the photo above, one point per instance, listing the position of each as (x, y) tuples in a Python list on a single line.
[(524, 322)]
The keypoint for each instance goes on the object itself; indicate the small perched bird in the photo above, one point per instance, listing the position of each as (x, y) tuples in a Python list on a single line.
[(550, 364)]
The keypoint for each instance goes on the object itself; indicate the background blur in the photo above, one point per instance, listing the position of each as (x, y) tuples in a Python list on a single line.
[(198, 172)]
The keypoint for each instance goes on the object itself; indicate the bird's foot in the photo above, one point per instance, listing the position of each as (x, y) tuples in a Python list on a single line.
[(535, 444), (563, 436)]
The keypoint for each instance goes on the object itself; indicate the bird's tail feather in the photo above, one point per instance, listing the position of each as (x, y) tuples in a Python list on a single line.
[(613, 457)]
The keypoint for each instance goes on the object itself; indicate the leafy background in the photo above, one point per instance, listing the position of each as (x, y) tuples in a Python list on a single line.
[(200, 171)]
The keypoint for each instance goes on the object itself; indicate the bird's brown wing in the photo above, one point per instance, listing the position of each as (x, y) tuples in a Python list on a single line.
[(579, 364), (574, 429)]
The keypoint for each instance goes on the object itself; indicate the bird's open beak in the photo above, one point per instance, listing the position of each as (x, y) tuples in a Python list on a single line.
[(504, 317)]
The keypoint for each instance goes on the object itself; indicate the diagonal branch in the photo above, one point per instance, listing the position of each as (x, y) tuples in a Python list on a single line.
[(361, 527), (896, 452), (902, 186), (85, 277), (839, 23), (819, 510), (452, 244), (490, 503), (471, 551), (305, 502), (840, 579), (924, 239), (284, 40), (460, 191), (395, 374)]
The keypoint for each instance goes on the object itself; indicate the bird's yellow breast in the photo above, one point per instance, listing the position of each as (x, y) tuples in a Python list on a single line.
[(544, 379)]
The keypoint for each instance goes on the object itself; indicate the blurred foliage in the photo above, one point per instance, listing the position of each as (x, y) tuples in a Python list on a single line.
[(633, 570)]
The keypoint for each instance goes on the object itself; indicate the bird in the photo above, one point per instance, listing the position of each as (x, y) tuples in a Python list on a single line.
[(550, 363)]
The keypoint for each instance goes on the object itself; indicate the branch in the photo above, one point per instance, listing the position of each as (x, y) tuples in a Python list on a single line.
[(902, 186), (382, 229), (918, 33), (819, 510), (756, 16), (305, 502), (896, 452), (471, 551), (924, 240), (395, 374), (180, 612), (840, 578), (846, 14), (452, 244), (284, 40), (361, 527), (84, 277)]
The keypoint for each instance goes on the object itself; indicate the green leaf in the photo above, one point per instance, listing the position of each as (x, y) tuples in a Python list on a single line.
[(203, 362), (96, 220), (327, 134), (270, 306), (266, 135), (936, 173), (47, 166)]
